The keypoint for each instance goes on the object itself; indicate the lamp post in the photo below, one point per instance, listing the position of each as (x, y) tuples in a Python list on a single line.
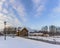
[(4, 30)]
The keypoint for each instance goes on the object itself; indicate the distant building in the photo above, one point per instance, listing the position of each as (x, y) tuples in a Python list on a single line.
[(45, 28), (52, 28), (58, 29)]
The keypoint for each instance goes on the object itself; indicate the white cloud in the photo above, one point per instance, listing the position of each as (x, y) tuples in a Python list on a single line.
[(0, 7), (12, 1), (1, 3), (5, 11), (55, 13), (2, 19), (8, 17), (19, 7), (2, 0), (38, 6), (10, 21), (1, 24), (17, 22), (36, 2)]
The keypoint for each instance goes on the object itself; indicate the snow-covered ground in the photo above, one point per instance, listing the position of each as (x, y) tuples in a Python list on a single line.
[(53, 38), (19, 42)]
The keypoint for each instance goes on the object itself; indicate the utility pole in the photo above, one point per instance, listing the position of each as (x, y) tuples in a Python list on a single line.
[(4, 30)]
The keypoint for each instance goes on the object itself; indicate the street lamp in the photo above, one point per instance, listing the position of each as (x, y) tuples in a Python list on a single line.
[(5, 30)]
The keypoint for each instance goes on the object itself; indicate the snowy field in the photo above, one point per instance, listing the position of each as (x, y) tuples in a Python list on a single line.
[(53, 38), (19, 42)]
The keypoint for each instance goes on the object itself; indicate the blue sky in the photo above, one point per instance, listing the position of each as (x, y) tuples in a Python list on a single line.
[(30, 13)]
